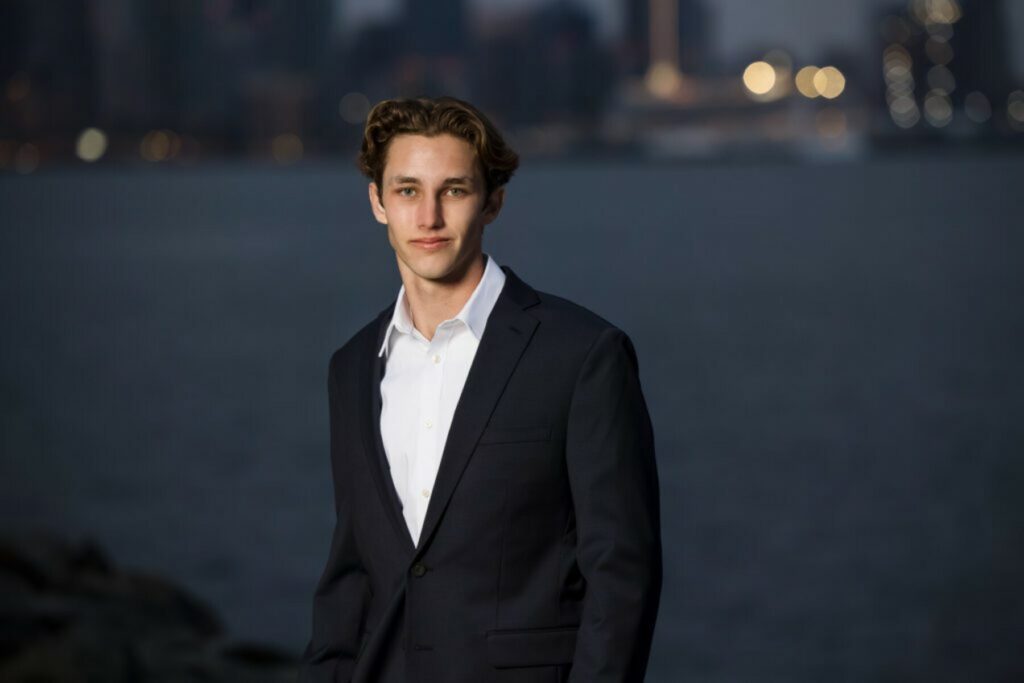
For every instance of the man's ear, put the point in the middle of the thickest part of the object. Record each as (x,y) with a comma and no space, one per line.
(376,205)
(494,204)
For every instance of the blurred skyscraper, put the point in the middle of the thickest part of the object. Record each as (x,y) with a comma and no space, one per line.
(545,67)
(944,67)
(981,50)
(435,27)
(673,31)
(47,63)
(235,73)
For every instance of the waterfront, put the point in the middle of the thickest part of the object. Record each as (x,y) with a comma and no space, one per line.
(831,356)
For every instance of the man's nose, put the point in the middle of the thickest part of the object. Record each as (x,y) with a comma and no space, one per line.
(430,212)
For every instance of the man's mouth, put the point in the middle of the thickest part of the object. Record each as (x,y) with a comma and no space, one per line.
(433,243)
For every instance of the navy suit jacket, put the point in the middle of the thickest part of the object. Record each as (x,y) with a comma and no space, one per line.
(540,554)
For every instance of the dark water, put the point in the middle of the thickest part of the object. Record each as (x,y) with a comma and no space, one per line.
(831,355)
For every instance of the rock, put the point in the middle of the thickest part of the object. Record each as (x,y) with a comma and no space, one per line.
(43,561)
(68,614)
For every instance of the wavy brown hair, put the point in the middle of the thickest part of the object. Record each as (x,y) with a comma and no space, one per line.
(430,117)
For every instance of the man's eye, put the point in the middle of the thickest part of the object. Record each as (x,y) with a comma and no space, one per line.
(406,191)
(457,191)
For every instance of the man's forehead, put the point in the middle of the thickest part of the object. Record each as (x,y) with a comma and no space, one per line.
(444,158)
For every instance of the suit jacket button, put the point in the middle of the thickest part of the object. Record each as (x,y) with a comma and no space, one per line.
(418,570)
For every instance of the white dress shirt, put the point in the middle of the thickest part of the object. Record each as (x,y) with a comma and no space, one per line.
(422,382)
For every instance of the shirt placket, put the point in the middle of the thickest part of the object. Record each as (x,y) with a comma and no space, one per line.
(429,410)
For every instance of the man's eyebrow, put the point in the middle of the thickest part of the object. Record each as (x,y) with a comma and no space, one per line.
(410,180)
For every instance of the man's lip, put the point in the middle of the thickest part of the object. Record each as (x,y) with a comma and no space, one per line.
(432,241)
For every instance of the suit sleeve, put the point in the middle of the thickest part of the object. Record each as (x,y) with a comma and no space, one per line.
(343,592)
(614,483)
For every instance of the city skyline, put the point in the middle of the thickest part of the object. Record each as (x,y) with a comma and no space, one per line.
(119,79)
(805,27)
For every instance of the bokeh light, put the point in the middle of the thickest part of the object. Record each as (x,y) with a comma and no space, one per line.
(977,107)
(91,144)
(936,12)
(941,78)
(286,149)
(829,82)
(896,67)
(663,79)
(354,107)
(938,110)
(26,159)
(897,71)
(904,111)
(938,50)
(759,78)
(805,81)
(160,145)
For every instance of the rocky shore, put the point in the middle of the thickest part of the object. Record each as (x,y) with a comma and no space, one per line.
(68,614)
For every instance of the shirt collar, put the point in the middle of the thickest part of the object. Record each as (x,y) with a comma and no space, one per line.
(474,313)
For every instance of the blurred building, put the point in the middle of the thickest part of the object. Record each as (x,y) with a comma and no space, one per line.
(168,80)
(435,27)
(943,70)
(674,31)
(47,67)
(545,71)
(422,49)
(980,51)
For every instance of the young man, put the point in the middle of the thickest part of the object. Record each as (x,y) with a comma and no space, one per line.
(492,454)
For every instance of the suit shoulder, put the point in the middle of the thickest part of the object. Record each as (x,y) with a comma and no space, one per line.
(581,333)
(584,334)
(571,317)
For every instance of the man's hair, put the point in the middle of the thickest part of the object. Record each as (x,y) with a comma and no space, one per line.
(430,117)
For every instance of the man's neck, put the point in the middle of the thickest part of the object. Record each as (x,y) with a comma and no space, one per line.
(431,303)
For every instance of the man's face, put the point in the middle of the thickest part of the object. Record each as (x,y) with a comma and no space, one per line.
(435,206)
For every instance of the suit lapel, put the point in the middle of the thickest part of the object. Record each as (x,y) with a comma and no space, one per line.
(508,332)
(371,373)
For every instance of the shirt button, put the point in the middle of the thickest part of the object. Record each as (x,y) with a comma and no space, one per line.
(429,423)
(437,359)
(426,493)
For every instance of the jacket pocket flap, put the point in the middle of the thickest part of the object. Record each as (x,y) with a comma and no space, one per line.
(531,647)
(507,435)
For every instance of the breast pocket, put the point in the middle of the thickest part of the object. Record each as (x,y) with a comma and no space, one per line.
(515,434)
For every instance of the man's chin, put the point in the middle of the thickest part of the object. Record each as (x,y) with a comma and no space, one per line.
(441,266)
(431,268)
